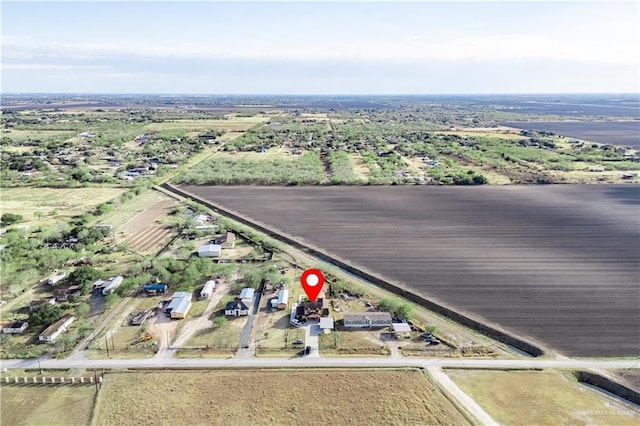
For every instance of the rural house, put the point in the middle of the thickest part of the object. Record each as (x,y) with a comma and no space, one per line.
(236,308)
(367,319)
(313,310)
(209,250)
(208,288)
(52,332)
(179,305)
(16,327)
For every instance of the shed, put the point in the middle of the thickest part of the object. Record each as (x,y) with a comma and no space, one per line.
(229,240)
(16,327)
(282,300)
(401,329)
(209,250)
(246,295)
(154,288)
(55,278)
(326,324)
(208,288)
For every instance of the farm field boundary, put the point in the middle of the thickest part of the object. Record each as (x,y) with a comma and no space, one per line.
(481,326)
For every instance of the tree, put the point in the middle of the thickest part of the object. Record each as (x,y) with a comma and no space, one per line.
(45,314)
(84,276)
(83,309)
(220,322)
(10,219)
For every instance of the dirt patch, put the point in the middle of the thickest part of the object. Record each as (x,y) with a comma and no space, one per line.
(269,397)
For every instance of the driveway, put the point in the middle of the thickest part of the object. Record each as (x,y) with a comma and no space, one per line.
(311,333)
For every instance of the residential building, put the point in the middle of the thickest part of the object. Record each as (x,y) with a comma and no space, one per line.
(179,305)
(367,319)
(313,310)
(236,308)
(56,277)
(401,329)
(52,332)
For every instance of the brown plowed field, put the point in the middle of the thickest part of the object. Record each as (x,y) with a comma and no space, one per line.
(559,264)
(144,235)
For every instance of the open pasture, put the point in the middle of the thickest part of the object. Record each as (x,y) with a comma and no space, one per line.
(46,404)
(558,264)
(541,397)
(273,397)
(233,124)
(610,132)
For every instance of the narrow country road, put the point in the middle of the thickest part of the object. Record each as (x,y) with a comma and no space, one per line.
(450,388)
(115,311)
(597,364)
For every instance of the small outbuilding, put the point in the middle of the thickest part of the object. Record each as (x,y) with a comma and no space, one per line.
(246,295)
(326,324)
(401,329)
(179,305)
(154,288)
(16,327)
(229,240)
(208,288)
(209,250)
(281,301)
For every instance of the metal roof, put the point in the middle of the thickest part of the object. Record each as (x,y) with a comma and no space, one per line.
(401,327)
(247,293)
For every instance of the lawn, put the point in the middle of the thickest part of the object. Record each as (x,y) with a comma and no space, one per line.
(52,202)
(46,405)
(542,398)
(273,397)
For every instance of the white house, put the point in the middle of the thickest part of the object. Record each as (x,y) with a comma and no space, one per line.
(209,250)
(208,288)
(236,308)
(52,332)
(246,295)
(367,319)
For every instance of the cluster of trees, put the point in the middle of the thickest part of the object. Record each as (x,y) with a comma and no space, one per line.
(10,218)
(306,169)
(342,171)
(396,307)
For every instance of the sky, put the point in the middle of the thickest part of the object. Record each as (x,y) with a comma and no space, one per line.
(321,47)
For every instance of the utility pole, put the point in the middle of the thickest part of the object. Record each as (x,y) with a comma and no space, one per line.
(106,343)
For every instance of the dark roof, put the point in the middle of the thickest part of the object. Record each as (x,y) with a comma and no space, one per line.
(236,304)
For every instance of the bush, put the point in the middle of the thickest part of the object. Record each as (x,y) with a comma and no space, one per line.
(10,218)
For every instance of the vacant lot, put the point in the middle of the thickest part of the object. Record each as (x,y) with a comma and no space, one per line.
(273,397)
(556,263)
(43,405)
(611,132)
(54,201)
(542,398)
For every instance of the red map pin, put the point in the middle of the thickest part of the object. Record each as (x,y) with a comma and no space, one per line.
(312,281)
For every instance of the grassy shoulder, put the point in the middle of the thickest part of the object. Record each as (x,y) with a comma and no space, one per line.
(541,397)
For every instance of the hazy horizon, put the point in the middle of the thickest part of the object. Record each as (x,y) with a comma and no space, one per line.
(320,48)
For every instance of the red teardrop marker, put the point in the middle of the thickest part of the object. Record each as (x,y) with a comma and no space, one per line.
(312,281)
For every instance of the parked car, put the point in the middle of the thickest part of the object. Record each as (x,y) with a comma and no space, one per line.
(298,342)
(307,350)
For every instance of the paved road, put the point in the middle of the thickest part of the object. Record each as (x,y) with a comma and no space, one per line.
(324,362)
